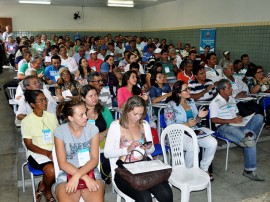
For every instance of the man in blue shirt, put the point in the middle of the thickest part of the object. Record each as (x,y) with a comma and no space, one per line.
(52,71)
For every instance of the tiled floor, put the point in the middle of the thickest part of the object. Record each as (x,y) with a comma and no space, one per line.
(228,185)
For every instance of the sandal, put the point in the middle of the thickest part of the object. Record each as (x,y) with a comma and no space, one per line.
(211,177)
(51,199)
(39,193)
(266,126)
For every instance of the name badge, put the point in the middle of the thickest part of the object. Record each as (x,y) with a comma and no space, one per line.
(47,136)
(83,156)
(57,76)
(167,69)
(94,68)
(234,86)
(93,122)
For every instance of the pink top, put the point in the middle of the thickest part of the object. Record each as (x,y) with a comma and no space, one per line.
(122,95)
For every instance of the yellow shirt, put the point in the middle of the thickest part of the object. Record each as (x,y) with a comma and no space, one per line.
(33,125)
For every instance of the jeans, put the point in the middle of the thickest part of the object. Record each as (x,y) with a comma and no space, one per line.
(237,133)
(208,143)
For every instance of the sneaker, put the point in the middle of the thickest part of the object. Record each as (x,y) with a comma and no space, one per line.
(247,142)
(253,175)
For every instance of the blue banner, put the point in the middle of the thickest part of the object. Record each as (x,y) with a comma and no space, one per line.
(208,37)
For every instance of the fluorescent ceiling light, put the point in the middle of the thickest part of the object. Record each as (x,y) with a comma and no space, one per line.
(35,2)
(118,3)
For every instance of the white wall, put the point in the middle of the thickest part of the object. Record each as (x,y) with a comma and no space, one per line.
(36,18)
(183,13)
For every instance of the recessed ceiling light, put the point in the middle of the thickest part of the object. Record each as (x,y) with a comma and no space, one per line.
(119,3)
(35,2)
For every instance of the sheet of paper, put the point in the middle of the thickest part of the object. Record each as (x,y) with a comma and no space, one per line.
(146,166)
(205,132)
(66,93)
(245,99)
(246,119)
(40,158)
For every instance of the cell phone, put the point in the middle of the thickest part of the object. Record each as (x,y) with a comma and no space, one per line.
(198,132)
(147,143)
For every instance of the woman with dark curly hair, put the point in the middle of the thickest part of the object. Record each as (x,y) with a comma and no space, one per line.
(67,87)
(83,71)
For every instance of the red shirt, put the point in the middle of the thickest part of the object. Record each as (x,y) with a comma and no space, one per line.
(182,76)
(95,65)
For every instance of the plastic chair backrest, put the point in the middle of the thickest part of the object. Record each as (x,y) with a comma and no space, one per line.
(266,102)
(12,92)
(175,134)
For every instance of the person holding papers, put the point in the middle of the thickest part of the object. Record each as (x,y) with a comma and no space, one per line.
(131,132)
(182,110)
(37,131)
(77,152)
(223,113)
(67,88)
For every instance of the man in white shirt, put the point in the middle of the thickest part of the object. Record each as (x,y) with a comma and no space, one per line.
(7,33)
(213,71)
(224,113)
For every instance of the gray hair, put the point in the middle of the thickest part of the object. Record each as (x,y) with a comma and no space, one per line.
(222,84)
(227,64)
(35,59)
(27,79)
(29,71)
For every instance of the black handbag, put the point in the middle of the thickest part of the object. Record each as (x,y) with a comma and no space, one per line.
(142,181)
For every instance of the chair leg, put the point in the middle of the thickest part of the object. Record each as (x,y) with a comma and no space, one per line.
(227,156)
(118,198)
(22,170)
(33,187)
(209,194)
(185,195)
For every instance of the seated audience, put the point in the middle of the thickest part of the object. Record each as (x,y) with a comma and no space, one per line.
(37,132)
(101,117)
(52,71)
(80,54)
(240,90)
(169,68)
(132,57)
(83,71)
(66,86)
(66,61)
(32,83)
(104,95)
(36,63)
(159,90)
(77,151)
(48,58)
(126,134)
(27,56)
(226,59)
(128,89)
(182,110)
(201,88)
(223,112)
(205,53)
(94,62)
(186,75)
(213,71)
(259,82)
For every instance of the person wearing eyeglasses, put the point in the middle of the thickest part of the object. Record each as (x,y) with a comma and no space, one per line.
(259,83)
(37,132)
(104,95)
(67,88)
(182,110)
(213,71)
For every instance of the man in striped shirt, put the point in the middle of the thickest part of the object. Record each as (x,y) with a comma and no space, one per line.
(201,88)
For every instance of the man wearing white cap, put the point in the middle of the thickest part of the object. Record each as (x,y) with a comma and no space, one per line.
(94,62)
(227,59)
(155,57)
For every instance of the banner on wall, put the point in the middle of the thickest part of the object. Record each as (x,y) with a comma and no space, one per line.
(208,37)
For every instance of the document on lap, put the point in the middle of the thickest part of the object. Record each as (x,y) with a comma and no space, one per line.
(40,159)
(246,119)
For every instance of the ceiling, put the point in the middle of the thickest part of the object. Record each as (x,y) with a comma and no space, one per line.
(91,3)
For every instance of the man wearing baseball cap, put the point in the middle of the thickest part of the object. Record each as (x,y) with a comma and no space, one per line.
(94,62)
(227,58)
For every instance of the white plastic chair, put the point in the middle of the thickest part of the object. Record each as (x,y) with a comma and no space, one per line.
(120,194)
(186,179)
(12,101)
(33,173)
